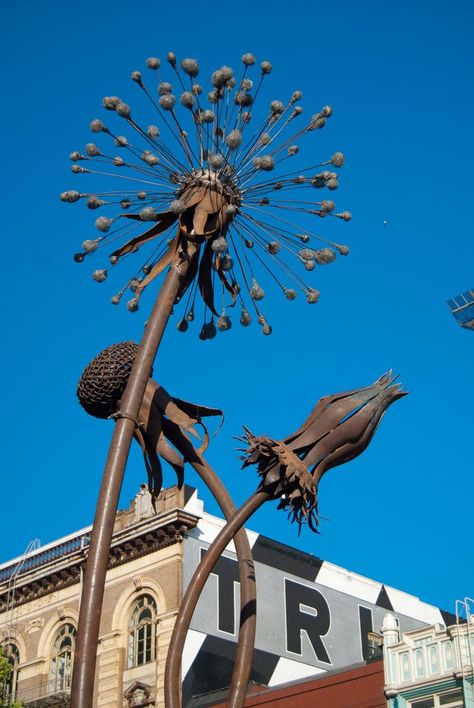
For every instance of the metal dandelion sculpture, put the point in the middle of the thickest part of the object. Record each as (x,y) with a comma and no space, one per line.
(200,182)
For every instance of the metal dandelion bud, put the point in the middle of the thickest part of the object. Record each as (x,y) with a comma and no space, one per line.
(90,245)
(103,223)
(70,196)
(324,256)
(277,107)
(339,428)
(202,187)
(132,304)
(167,102)
(267,163)
(99,275)
(147,214)
(164,87)
(190,67)
(219,245)
(124,110)
(110,102)
(223,323)
(248,59)
(312,296)
(245,318)
(234,139)
(274,247)
(153,63)
(97,126)
(345,215)
(256,292)
(187,99)
(95,203)
(153,132)
(216,161)
(92,150)
(337,159)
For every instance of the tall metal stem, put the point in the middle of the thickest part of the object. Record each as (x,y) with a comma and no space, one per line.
(82,688)
(248,600)
(193,592)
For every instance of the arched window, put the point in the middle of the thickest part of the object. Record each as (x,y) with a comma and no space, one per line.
(142,632)
(60,672)
(12,653)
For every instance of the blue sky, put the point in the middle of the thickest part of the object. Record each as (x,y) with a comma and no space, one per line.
(398,76)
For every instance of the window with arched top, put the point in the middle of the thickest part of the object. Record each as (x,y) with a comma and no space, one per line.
(12,653)
(142,632)
(60,672)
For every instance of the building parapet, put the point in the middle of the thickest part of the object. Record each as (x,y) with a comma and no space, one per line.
(57,566)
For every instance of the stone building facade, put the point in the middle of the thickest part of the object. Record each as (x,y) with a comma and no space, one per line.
(40,606)
(314,618)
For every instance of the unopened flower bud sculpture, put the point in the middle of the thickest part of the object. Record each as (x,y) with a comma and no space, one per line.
(338,429)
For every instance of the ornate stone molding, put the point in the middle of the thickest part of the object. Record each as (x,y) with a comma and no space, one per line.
(132,542)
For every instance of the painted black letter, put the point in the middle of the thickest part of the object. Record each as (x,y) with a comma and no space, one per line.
(297,620)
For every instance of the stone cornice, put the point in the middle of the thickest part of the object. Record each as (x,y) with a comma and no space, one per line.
(134,541)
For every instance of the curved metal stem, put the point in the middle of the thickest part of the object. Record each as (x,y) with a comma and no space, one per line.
(248,601)
(193,592)
(82,689)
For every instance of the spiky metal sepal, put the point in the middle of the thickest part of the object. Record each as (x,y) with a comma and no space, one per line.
(283,475)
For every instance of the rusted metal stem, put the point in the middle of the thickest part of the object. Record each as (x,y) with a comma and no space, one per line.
(82,688)
(193,592)
(248,600)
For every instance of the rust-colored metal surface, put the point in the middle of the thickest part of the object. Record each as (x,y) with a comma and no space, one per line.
(162,417)
(248,599)
(338,429)
(191,597)
(82,688)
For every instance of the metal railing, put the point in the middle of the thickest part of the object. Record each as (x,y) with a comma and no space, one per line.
(43,557)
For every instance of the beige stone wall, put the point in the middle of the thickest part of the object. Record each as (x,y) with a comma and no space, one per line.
(36,623)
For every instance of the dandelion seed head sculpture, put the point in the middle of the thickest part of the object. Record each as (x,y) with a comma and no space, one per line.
(199,184)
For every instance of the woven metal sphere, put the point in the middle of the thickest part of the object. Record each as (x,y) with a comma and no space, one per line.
(103,381)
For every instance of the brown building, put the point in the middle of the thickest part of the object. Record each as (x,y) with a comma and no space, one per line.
(356,687)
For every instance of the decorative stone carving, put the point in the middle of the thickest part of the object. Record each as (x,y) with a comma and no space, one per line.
(34,625)
(138,582)
(138,695)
